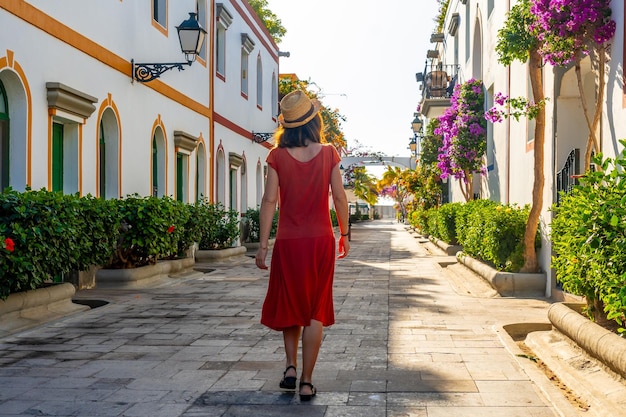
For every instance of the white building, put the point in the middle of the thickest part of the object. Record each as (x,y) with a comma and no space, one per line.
(72,117)
(465,49)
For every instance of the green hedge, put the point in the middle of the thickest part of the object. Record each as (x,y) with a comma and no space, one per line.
(46,234)
(488,231)
(589,237)
(52,234)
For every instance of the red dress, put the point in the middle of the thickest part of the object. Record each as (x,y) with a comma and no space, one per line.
(303,258)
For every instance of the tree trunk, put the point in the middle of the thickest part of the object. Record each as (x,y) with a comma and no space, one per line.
(592,139)
(530,233)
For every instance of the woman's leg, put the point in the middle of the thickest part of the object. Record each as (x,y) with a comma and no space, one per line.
(291,338)
(311,342)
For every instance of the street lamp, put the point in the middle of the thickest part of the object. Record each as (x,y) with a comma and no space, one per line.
(191,36)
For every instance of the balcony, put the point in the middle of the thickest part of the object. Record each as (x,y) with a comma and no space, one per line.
(437,85)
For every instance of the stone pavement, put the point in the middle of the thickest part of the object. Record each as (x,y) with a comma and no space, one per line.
(412,338)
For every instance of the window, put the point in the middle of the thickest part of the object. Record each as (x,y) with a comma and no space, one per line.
(4,139)
(159,169)
(57,157)
(220,180)
(201,11)
(259,183)
(489,7)
(244,189)
(224,19)
(247,45)
(159,12)
(181,178)
(259,82)
(108,155)
(220,50)
(201,172)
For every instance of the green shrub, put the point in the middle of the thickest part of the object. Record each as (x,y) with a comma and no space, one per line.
(51,234)
(494,233)
(589,237)
(442,222)
(150,228)
(220,227)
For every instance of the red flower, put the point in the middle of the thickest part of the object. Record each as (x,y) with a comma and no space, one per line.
(9,244)
(170,229)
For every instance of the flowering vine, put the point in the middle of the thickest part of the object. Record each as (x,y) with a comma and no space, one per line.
(514,107)
(567,30)
(463,128)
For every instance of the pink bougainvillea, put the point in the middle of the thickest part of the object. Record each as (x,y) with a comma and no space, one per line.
(463,128)
(567,29)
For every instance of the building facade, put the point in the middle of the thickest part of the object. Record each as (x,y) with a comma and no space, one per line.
(464,49)
(73,118)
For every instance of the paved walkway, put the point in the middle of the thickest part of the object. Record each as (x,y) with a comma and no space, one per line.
(412,339)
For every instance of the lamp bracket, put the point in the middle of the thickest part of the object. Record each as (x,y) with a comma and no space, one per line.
(151,71)
(261,137)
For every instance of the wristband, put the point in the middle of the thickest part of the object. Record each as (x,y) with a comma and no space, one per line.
(345,234)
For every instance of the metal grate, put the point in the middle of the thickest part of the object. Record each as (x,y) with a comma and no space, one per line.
(565,178)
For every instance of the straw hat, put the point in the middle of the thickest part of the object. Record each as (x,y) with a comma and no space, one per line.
(297,109)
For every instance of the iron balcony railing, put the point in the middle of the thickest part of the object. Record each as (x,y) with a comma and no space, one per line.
(438,80)
(566,177)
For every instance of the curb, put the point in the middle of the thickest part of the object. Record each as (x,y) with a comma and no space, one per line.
(508,284)
(138,277)
(209,255)
(599,342)
(29,308)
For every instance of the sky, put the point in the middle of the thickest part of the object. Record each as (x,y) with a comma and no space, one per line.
(363,54)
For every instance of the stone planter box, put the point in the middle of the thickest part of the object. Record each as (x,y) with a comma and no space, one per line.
(508,284)
(30,308)
(602,344)
(211,255)
(142,276)
(255,245)
(450,250)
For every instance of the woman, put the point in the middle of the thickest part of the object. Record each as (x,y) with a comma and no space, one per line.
(301,170)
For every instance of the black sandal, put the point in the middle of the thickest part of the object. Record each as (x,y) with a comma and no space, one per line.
(288,382)
(307,397)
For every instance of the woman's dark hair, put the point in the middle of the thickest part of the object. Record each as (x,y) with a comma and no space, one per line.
(297,136)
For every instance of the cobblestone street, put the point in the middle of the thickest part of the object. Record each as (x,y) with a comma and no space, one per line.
(411,339)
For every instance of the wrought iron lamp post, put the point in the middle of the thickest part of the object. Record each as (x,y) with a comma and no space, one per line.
(191,36)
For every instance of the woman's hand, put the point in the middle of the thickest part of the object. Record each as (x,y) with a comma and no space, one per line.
(344,247)
(261,254)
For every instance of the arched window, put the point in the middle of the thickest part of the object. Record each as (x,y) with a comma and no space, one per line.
(4,139)
(108,155)
(244,188)
(259,184)
(159,168)
(259,83)
(220,177)
(200,172)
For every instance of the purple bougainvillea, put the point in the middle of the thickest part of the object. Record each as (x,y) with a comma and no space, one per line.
(463,128)
(567,29)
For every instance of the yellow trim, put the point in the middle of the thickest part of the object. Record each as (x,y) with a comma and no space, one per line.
(9,62)
(53,27)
